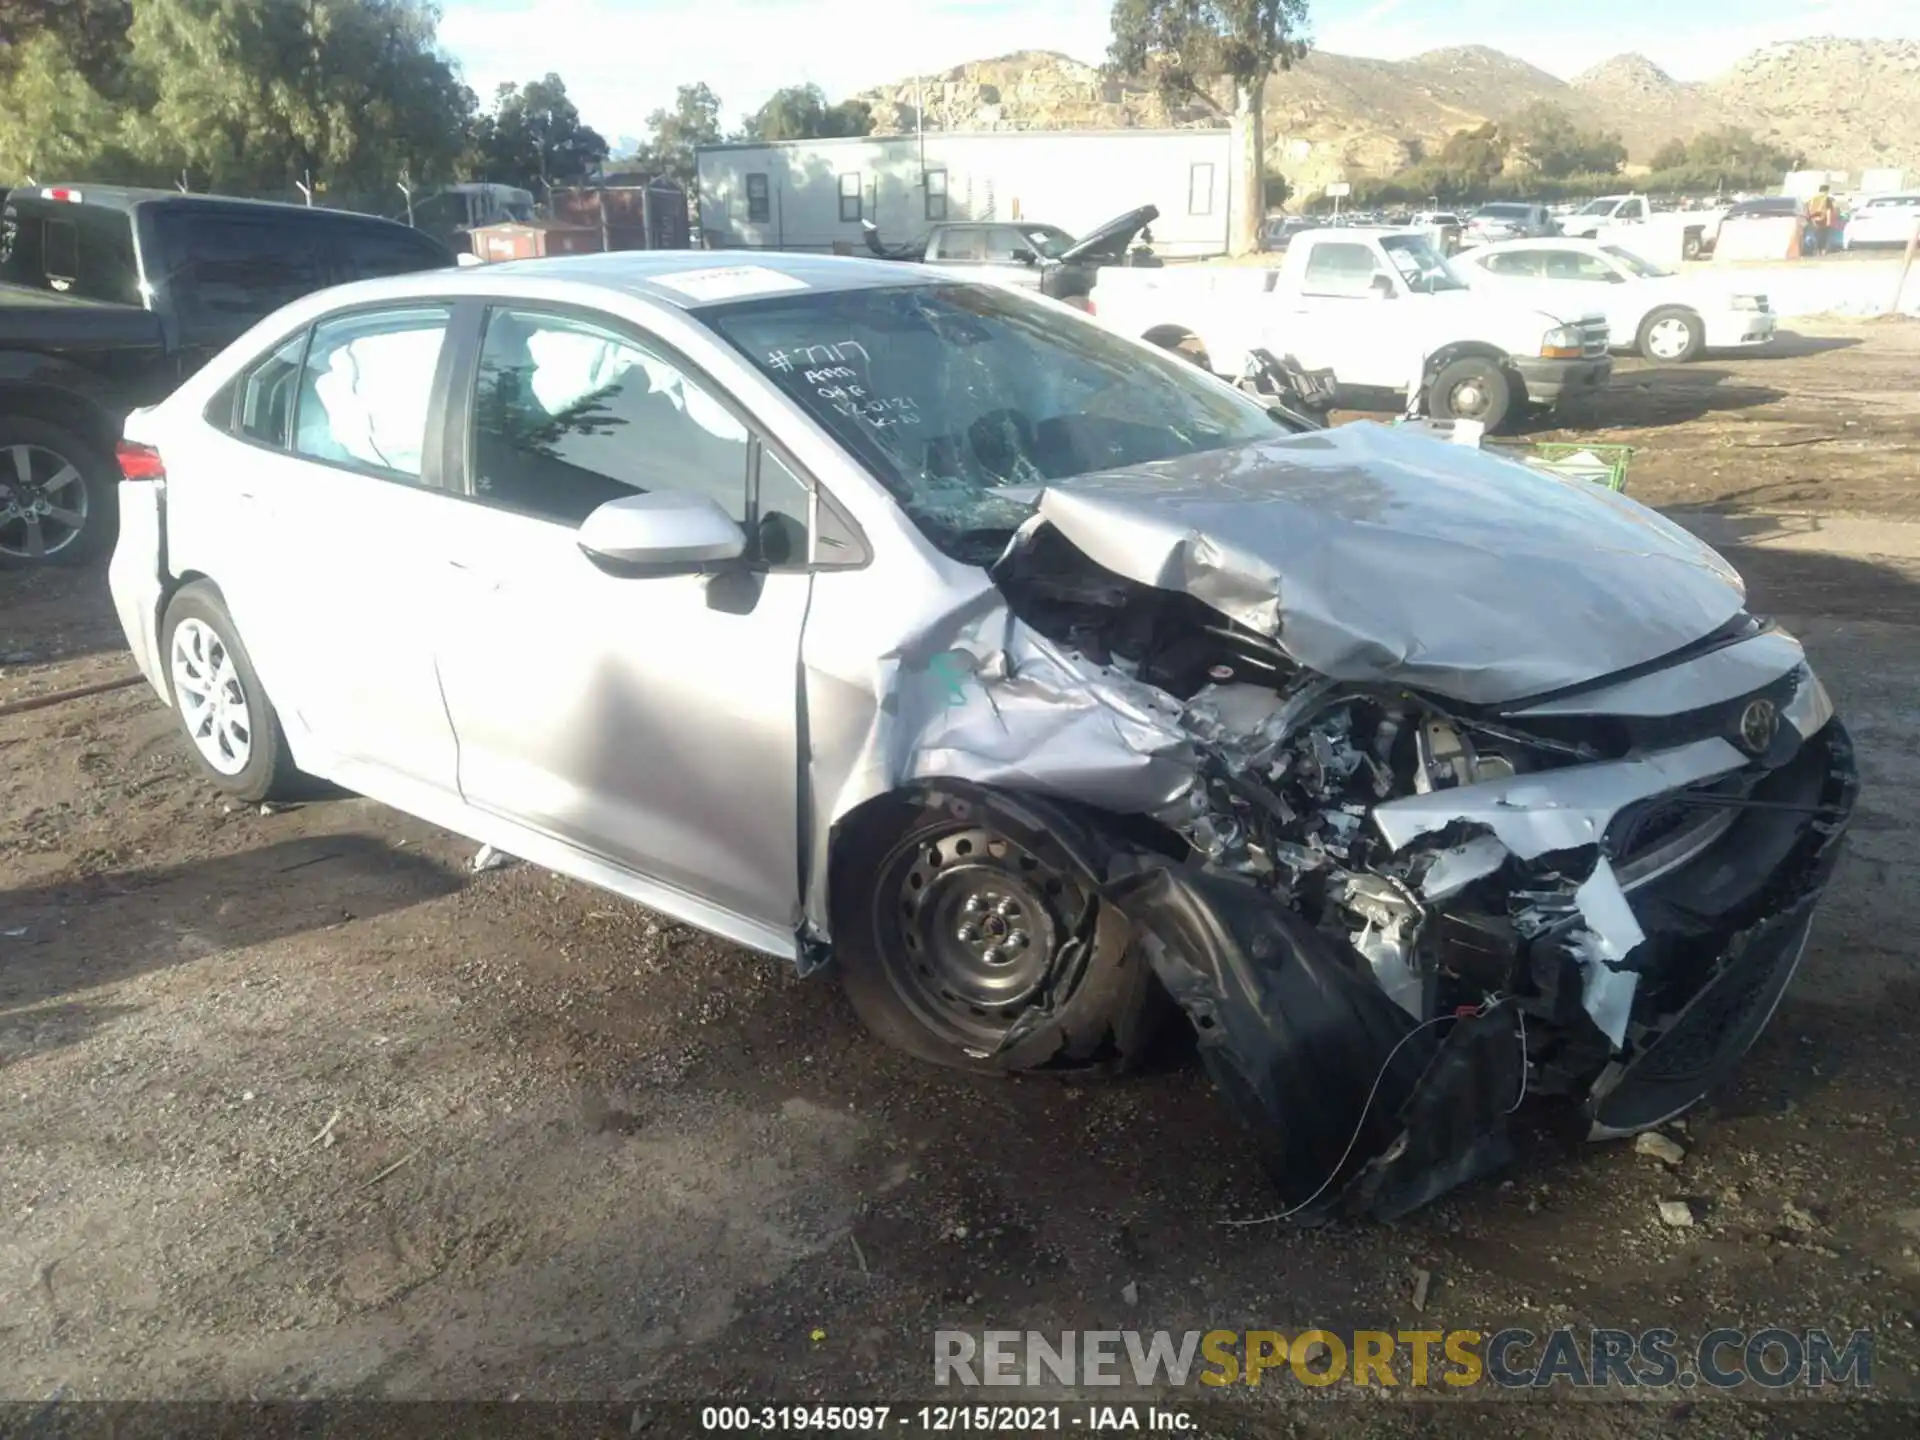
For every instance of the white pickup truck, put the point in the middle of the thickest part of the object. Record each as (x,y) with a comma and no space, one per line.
(1696,229)
(1381,310)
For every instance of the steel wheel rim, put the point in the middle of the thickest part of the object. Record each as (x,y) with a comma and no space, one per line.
(43,502)
(1468,399)
(1668,339)
(212,701)
(969,922)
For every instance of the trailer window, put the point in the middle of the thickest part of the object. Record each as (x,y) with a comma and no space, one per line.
(1200,189)
(759,208)
(850,199)
(936,194)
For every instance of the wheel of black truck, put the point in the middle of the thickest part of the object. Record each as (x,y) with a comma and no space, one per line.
(58,495)
(951,920)
(1471,389)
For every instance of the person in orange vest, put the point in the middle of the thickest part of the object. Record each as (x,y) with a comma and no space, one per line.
(1821,215)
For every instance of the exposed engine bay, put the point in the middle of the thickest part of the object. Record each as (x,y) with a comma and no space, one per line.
(1437,907)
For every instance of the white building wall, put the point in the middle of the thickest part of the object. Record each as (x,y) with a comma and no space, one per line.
(1073,179)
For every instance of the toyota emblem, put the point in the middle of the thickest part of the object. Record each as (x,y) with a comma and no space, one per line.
(1757,725)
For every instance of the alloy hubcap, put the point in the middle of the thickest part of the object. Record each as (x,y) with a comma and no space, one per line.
(1668,338)
(978,926)
(43,502)
(212,701)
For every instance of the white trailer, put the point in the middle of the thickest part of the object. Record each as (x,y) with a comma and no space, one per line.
(812,194)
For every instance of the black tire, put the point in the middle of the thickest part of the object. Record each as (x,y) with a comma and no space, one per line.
(1671,319)
(1471,389)
(1187,347)
(1096,1018)
(92,493)
(1693,246)
(268,772)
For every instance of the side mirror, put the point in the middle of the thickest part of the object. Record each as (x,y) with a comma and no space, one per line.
(1025,257)
(667,532)
(1381,288)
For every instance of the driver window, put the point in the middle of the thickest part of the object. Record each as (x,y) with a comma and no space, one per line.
(1633,210)
(1515,262)
(568,416)
(1337,268)
(963,245)
(1577,265)
(1005,243)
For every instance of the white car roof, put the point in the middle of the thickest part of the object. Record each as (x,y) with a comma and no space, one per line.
(1552,242)
(709,277)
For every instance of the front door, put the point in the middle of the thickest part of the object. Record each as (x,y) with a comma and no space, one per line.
(650,723)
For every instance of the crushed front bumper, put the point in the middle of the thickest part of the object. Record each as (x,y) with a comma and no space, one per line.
(1354,1106)
(1554,382)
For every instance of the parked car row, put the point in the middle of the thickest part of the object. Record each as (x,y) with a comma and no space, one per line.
(1509,326)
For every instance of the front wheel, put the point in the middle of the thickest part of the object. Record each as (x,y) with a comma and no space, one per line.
(1471,389)
(57,495)
(222,707)
(1672,336)
(969,933)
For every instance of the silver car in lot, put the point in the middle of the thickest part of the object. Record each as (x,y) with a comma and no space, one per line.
(1025,673)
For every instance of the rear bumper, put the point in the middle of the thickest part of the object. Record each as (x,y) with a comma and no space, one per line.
(136,576)
(1551,382)
(1730,329)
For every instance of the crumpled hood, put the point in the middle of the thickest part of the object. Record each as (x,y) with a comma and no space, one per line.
(1381,554)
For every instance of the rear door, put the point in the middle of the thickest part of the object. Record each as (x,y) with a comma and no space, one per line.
(317,512)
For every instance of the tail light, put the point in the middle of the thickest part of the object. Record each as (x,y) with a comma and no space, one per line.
(139,462)
(1082,302)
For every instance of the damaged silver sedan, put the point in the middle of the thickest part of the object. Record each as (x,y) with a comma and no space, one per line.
(1027,674)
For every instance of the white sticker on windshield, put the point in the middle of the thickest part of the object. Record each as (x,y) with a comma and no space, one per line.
(735,282)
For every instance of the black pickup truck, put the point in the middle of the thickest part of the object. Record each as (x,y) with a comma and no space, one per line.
(109,297)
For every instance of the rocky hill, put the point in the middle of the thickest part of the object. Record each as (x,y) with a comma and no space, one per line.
(1842,103)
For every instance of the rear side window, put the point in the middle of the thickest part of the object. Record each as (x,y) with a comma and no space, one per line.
(1337,268)
(225,272)
(365,388)
(375,251)
(267,395)
(81,250)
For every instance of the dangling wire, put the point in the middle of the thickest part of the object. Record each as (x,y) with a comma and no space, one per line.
(1486,1007)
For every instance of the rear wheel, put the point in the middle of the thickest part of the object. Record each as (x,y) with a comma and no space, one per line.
(222,708)
(57,495)
(972,922)
(1471,389)
(1673,336)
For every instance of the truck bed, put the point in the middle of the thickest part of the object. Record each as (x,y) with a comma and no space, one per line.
(43,320)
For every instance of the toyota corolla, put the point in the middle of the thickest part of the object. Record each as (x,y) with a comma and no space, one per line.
(1023,674)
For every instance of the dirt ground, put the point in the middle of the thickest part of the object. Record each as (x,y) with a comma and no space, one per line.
(294,1105)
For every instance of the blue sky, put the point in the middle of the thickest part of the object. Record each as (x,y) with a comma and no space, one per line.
(622,58)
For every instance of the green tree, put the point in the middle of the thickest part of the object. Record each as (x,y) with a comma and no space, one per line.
(53,124)
(534,137)
(1188,46)
(92,33)
(801,112)
(256,95)
(1670,156)
(677,133)
(1555,146)
(1474,156)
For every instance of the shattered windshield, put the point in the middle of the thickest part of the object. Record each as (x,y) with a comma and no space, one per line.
(963,399)
(1420,264)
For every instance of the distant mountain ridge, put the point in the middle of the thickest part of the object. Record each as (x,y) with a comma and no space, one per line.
(1843,104)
